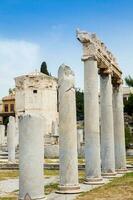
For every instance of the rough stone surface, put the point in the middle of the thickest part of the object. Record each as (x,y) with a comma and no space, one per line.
(67,131)
(107,128)
(92,137)
(11,130)
(31,157)
(37,94)
(119,133)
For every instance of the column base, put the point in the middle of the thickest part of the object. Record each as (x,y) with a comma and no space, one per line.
(109,174)
(121,171)
(29,198)
(94,181)
(69,190)
(12,162)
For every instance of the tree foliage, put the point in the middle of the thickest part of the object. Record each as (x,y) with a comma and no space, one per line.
(129,81)
(128,137)
(128,105)
(44,69)
(80,104)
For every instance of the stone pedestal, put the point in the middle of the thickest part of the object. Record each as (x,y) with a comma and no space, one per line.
(31,157)
(2,135)
(119,132)
(92,137)
(107,128)
(67,132)
(11,130)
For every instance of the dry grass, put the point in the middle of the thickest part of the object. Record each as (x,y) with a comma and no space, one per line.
(51,188)
(7,174)
(130,160)
(119,189)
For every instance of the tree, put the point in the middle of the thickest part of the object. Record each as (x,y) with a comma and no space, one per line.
(44,69)
(128,104)
(128,137)
(80,104)
(129,81)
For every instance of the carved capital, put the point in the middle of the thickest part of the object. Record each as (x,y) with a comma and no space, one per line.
(89,47)
(89,51)
(119,81)
(106,71)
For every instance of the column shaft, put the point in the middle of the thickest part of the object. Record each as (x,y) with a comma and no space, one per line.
(2,134)
(119,132)
(31,157)
(11,130)
(67,132)
(92,138)
(107,128)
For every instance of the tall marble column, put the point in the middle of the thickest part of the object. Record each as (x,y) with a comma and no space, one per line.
(119,132)
(92,136)
(67,132)
(107,127)
(11,130)
(91,110)
(79,138)
(2,134)
(31,157)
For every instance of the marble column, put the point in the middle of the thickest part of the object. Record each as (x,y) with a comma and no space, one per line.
(11,130)
(79,138)
(92,135)
(119,132)
(2,134)
(54,128)
(31,157)
(107,128)
(67,132)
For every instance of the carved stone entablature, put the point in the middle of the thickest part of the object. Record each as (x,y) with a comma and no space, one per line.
(94,48)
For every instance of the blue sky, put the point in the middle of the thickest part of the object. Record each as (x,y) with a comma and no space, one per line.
(35,30)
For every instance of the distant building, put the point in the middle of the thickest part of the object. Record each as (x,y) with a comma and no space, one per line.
(7,108)
(126,92)
(36,93)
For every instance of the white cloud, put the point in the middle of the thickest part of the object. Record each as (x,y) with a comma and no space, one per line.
(16,57)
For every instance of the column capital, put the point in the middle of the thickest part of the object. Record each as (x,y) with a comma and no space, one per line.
(89,47)
(106,71)
(117,82)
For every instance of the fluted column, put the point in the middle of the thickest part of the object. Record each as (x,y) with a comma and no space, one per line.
(107,128)
(119,132)
(67,132)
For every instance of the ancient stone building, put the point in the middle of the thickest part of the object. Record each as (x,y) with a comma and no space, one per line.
(37,94)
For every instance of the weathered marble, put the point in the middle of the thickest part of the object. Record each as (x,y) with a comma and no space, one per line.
(107,128)
(36,93)
(2,134)
(31,157)
(92,136)
(79,138)
(67,132)
(11,130)
(119,132)
(55,128)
